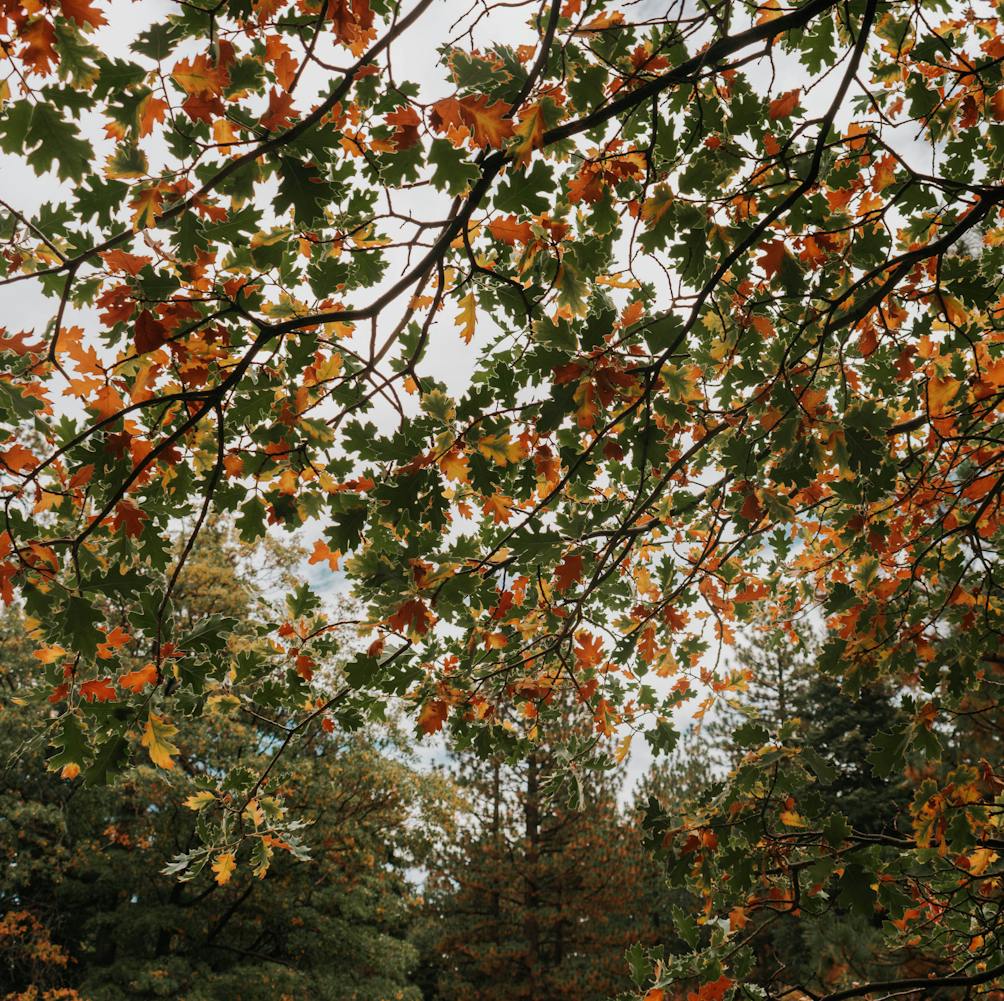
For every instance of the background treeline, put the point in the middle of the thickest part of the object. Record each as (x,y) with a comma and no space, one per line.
(470,879)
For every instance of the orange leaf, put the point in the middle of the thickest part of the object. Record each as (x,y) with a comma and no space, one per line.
(487,122)
(647,648)
(83,12)
(413,618)
(589,651)
(146,207)
(17,458)
(280,110)
(98,690)
(773,255)
(39,52)
(715,991)
(223,867)
(507,230)
(136,681)
(785,105)
(49,654)
(433,716)
(499,507)
(118,637)
(455,466)
(199,76)
(119,260)
(151,110)
(322,551)
(278,53)
(940,392)
(530,132)
(568,572)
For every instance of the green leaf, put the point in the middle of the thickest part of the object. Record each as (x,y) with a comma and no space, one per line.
(527,190)
(302,188)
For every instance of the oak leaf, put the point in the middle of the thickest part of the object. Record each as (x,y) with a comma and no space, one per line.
(413,618)
(569,570)
(98,690)
(507,230)
(223,867)
(83,12)
(499,506)
(157,734)
(117,638)
(467,317)
(500,449)
(136,681)
(784,106)
(432,716)
(324,553)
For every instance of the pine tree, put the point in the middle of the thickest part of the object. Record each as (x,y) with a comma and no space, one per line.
(80,893)
(536,897)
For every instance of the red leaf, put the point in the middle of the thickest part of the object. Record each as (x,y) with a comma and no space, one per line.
(405,121)
(568,572)
(128,518)
(773,255)
(150,333)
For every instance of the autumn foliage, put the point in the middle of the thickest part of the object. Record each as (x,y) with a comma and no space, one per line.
(580,350)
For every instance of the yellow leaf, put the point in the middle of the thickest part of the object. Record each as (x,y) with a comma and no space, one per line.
(146,207)
(980,859)
(254,813)
(454,466)
(790,818)
(156,739)
(530,131)
(224,867)
(264,858)
(199,800)
(466,317)
(329,369)
(623,746)
(657,205)
(224,134)
(49,654)
(940,392)
(499,506)
(500,448)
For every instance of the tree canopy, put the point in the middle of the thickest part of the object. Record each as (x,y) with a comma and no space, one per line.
(584,336)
